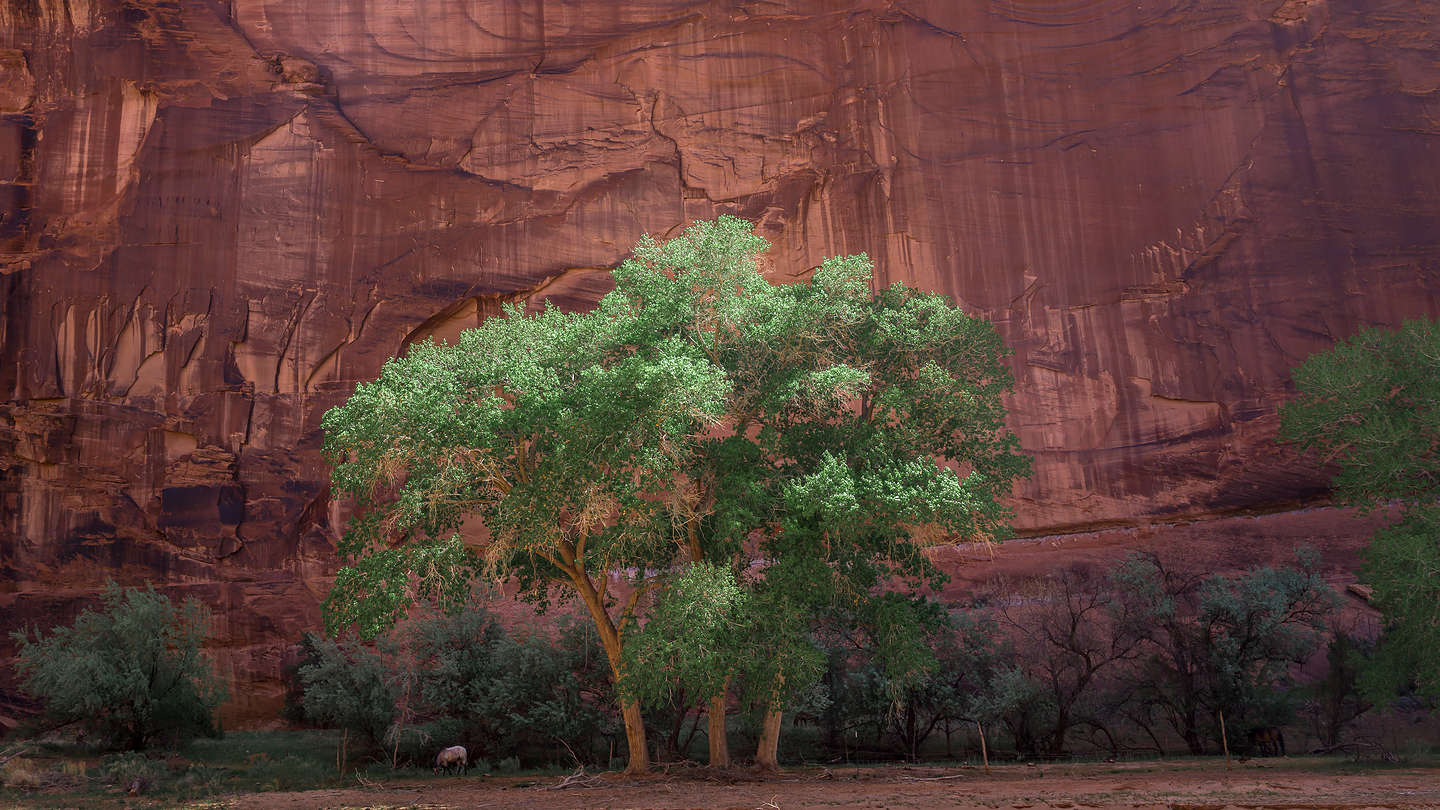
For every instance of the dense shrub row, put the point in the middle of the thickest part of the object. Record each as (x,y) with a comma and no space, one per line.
(1143,657)
(1140,658)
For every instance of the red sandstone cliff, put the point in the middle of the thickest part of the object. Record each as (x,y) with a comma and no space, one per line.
(217,215)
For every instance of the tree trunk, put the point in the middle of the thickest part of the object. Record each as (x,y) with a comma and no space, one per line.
(639,755)
(634,736)
(1057,739)
(1224,743)
(672,744)
(719,745)
(767,752)
(984,751)
(911,731)
(1190,731)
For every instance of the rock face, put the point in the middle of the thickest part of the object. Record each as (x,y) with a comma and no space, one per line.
(218,215)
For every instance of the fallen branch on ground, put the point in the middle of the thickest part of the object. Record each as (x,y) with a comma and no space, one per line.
(577,779)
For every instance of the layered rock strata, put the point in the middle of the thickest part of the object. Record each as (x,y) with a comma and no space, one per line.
(218,215)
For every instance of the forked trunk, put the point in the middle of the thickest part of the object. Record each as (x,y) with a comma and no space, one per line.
(638,754)
(719,745)
(767,752)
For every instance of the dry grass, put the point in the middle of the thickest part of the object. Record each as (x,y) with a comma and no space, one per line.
(34,774)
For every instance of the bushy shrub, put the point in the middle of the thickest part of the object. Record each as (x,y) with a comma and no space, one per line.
(347,686)
(506,695)
(464,680)
(132,673)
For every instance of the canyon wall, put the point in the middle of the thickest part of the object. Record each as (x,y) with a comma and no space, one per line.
(218,215)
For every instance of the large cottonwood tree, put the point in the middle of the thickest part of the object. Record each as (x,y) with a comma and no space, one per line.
(811,437)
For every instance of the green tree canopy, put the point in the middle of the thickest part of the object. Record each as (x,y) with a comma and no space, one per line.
(697,414)
(132,672)
(861,427)
(1371,406)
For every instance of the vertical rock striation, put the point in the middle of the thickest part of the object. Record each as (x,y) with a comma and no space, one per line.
(219,215)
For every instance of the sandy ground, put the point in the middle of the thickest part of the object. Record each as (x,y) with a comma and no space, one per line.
(1294,784)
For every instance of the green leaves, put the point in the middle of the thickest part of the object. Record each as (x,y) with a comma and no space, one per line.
(132,671)
(346,685)
(1403,563)
(694,639)
(749,453)
(548,429)
(1371,405)
(380,588)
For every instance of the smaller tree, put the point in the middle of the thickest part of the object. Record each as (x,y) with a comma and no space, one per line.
(1334,701)
(462,679)
(347,686)
(509,694)
(925,670)
(970,682)
(882,673)
(1069,643)
(132,672)
(711,630)
(1256,628)
(1022,705)
(1213,645)
(901,670)
(690,649)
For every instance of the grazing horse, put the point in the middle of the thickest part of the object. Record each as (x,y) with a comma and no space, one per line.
(454,755)
(1268,741)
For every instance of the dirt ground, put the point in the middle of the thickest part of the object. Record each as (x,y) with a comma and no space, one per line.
(1289,784)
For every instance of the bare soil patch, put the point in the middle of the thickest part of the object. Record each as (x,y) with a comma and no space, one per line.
(1289,784)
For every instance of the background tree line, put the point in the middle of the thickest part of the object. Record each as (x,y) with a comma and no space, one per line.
(1138,660)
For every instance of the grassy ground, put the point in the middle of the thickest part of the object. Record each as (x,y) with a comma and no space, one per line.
(240,762)
(213,772)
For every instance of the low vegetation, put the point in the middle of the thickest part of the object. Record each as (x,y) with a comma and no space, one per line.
(130,675)
(245,761)
(1136,661)
(463,679)
(1086,664)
